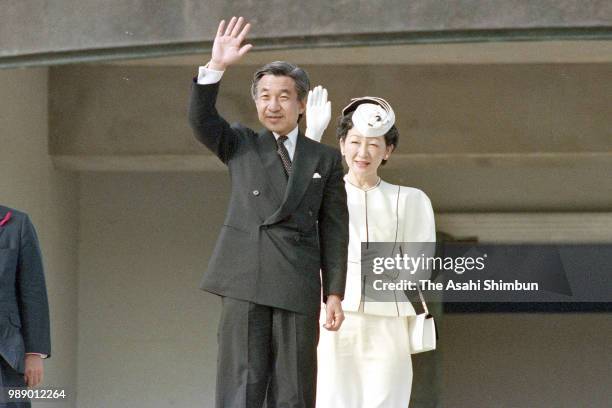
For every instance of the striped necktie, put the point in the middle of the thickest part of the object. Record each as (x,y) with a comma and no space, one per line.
(284,154)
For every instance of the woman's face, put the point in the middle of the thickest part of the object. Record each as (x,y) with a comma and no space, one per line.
(363,155)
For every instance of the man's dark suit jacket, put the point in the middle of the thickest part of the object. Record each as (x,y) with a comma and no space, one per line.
(24,311)
(277,234)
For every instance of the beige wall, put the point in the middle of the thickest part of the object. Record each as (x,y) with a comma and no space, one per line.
(29,182)
(526,360)
(497,137)
(440,108)
(147,333)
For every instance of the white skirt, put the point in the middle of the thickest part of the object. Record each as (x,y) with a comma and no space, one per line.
(366,364)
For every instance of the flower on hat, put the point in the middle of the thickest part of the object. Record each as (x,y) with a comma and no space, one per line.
(372,120)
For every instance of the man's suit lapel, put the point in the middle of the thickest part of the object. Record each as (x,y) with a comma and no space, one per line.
(266,148)
(303,166)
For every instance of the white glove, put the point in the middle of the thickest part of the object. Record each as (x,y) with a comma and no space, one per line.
(318,113)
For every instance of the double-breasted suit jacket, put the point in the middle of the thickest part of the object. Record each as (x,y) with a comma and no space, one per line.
(24,311)
(281,238)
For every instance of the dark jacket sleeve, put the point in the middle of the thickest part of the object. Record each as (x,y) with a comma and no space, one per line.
(334,231)
(208,126)
(32,293)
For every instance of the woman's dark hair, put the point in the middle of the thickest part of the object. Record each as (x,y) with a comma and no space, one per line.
(345,123)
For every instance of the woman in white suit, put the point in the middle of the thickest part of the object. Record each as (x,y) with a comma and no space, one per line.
(367,363)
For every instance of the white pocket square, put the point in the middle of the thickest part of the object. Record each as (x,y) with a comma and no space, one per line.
(316,175)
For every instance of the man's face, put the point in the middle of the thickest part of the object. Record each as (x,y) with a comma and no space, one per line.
(278,106)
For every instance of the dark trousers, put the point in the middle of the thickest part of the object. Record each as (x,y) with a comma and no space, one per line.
(266,355)
(9,378)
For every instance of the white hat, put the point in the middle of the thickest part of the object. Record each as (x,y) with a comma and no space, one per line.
(372,116)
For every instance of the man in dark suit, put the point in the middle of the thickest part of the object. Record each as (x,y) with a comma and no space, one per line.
(24,311)
(285,233)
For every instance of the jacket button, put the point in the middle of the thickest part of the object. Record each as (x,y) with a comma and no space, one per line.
(255,193)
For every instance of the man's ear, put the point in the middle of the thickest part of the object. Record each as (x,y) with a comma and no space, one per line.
(302,106)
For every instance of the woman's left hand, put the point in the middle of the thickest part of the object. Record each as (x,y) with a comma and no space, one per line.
(318,113)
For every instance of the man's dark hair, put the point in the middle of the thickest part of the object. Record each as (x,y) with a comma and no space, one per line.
(345,123)
(282,68)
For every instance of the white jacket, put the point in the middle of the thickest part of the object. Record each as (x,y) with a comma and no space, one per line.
(384,213)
